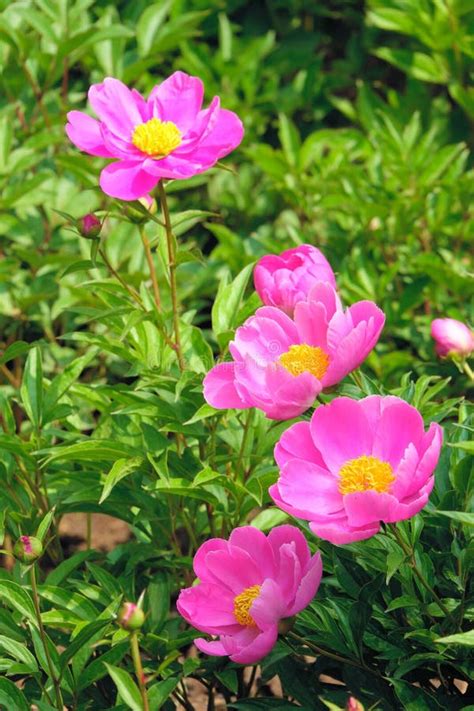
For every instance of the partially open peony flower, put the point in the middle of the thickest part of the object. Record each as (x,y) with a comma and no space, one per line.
(166,136)
(357,463)
(452,337)
(246,585)
(281,364)
(284,279)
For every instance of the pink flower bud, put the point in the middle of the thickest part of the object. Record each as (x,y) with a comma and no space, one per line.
(131,617)
(283,280)
(452,338)
(353,705)
(27,549)
(89,226)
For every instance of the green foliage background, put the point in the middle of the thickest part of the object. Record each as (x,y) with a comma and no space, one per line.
(358,128)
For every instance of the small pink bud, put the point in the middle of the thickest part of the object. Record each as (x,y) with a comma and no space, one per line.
(353,704)
(130,617)
(27,549)
(89,226)
(452,338)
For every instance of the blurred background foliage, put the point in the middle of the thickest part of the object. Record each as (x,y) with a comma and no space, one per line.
(358,122)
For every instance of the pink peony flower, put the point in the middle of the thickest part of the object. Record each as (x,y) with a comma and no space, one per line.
(248,584)
(452,337)
(167,136)
(280,364)
(283,280)
(356,463)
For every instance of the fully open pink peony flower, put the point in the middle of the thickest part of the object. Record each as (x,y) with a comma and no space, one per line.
(452,337)
(166,136)
(283,280)
(248,584)
(356,463)
(280,364)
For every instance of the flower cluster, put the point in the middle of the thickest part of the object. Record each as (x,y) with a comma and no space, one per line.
(280,364)
(355,464)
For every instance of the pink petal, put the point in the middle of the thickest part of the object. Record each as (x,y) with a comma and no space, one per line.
(199,563)
(219,388)
(214,649)
(399,425)
(118,107)
(282,535)
(177,99)
(340,432)
(339,532)
(224,137)
(234,569)
(305,486)
(296,443)
(256,544)
(85,133)
(410,507)
(269,607)
(209,608)
(258,648)
(308,586)
(364,508)
(126,180)
(311,322)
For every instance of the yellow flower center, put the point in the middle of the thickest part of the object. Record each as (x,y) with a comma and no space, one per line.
(242,605)
(303,358)
(156,138)
(365,474)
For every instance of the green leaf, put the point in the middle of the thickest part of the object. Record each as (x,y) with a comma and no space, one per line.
(158,693)
(81,640)
(126,687)
(149,24)
(64,380)
(268,518)
(228,300)
(19,651)
(19,599)
(11,697)
(464,638)
(45,525)
(31,390)
(16,349)
(64,569)
(466,446)
(93,450)
(120,469)
(461,516)
(289,138)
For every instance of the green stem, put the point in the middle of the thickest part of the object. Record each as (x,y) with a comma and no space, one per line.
(89,531)
(137,663)
(151,266)
(245,436)
(55,680)
(172,270)
(331,655)
(468,370)
(136,297)
(410,553)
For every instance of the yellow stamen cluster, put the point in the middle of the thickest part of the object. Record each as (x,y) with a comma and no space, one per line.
(156,138)
(305,359)
(242,605)
(365,474)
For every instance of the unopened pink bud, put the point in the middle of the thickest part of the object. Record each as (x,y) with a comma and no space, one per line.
(27,549)
(452,338)
(353,704)
(89,226)
(131,617)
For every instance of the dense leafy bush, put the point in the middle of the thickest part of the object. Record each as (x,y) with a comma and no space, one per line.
(357,128)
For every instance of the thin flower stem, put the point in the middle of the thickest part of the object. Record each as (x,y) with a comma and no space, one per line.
(55,680)
(136,297)
(172,269)
(331,655)
(89,531)
(468,370)
(151,266)
(410,553)
(137,663)
(245,435)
